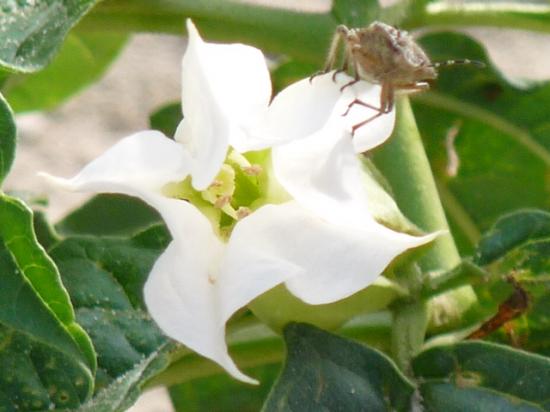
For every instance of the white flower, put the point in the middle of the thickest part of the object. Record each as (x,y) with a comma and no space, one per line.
(323,244)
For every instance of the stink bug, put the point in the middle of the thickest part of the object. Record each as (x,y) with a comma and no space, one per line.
(387,56)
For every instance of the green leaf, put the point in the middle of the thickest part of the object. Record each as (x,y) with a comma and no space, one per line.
(83,58)
(105,278)
(37,267)
(33,31)
(166,119)
(37,372)
(512,231)
(514,246)
(530,264)
(222,393)
(47,359)
(326,372)
(109,214)
(502,139)
(45,233)
(3,77)
(120,395)
(481,376)
(442,396)
(7,138)
(518,245)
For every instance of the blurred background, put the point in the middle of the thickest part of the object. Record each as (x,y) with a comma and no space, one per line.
(121,102)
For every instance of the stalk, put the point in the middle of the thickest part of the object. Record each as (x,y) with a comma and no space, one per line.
(510,14)
(404,163)
(296,34)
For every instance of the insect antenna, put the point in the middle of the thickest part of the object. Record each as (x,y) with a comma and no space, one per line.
(445,63)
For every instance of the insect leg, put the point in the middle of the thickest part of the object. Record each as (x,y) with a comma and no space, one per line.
(386,105)
(350,51)
(386,101)
(362,103)
(352,82)
(364,122)
(344,67)
(387,96)
(340,34)
(348,58)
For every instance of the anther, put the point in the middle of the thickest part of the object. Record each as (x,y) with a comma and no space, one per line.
(222,201)
(253,170)
(243,212)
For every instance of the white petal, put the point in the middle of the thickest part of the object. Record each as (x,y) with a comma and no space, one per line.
(307,106)
(376,131)
(323,173)
(250,267)
(322,262)
(302,108)
(146,160)
(225,91)
(183,302)
(182,292)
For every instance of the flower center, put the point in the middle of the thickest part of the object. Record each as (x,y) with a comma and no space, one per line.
(240,187)
(221,190)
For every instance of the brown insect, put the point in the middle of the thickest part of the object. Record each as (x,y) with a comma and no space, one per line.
(384,55)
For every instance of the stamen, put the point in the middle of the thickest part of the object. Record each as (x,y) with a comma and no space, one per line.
(222,201)
(216,183)
(253,170)
(243,212)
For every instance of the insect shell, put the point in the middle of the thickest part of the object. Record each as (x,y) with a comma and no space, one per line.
(387,56)
(382,53)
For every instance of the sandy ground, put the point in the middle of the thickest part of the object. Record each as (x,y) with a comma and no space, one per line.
(120,103)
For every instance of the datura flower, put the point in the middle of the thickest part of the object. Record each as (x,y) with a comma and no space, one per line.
(314,234)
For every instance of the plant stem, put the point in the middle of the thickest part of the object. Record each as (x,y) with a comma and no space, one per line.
(410,319)
(405,165)
(408,332)
(296,34)
(513,15)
